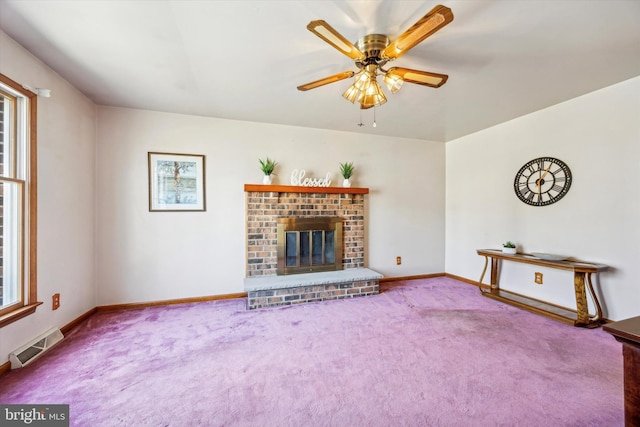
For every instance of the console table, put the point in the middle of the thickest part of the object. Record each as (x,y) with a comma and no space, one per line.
(628,333)
(582,272)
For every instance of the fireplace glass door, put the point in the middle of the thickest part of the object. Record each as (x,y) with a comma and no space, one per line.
(309,244)
(306,248)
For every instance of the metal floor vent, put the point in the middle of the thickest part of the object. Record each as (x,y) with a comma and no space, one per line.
(29,352)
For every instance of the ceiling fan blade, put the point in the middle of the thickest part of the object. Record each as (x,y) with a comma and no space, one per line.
(437,18)
(326,80)
(326,32)
(424,78)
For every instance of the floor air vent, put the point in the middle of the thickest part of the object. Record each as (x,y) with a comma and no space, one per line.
(35,348)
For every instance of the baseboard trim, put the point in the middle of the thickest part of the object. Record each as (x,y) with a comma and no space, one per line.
(5,367)
(469,281)
(417,277)
(133,306)
(77,321)
(136,305)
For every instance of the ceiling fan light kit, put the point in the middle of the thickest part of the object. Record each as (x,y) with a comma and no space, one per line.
(393,81)
(373,51)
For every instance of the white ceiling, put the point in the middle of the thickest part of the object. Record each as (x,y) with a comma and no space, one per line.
(243,59)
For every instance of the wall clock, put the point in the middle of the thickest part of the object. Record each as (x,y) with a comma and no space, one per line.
(542,181)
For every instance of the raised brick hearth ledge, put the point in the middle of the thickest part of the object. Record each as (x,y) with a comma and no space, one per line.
(272,291)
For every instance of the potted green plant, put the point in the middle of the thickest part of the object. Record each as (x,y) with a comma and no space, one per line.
(267,167)
(346,169)
(509,248)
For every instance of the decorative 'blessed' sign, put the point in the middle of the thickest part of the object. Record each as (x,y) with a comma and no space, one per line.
(297,178)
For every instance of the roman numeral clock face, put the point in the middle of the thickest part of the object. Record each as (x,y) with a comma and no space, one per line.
(542,181)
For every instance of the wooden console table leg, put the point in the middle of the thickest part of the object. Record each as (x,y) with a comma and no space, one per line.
(495,262)
(598,317)
(484,270)
(581,300)
(494,275)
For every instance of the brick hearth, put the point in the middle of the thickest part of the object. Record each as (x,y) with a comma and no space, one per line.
(271,291)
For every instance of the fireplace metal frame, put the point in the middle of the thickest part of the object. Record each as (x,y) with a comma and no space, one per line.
(324,223)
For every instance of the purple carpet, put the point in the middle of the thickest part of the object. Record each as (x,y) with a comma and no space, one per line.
(422,353)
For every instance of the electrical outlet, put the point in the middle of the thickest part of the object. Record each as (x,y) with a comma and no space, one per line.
(398,260)
(55,302)
(538,278)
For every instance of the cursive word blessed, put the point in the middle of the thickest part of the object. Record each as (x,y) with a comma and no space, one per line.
(297,178)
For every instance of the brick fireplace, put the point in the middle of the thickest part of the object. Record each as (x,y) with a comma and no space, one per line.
(264,205)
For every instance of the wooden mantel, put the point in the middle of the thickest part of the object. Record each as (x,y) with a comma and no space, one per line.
(299,189)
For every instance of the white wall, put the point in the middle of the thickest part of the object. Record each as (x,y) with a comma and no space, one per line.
(598,136)
(66,197)
(149,256)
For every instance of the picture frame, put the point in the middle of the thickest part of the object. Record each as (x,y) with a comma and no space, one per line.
(176,182)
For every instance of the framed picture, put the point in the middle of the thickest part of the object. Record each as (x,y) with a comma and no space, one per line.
(176,182)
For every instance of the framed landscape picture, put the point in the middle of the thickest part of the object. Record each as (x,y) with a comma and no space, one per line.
(176,182)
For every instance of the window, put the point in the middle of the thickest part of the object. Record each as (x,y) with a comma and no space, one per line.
(17,201)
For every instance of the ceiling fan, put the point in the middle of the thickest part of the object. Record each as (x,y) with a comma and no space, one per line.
(371,52)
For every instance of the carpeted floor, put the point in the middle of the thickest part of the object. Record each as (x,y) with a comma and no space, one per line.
(422,353)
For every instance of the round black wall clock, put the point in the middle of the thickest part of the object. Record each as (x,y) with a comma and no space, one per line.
(542,181)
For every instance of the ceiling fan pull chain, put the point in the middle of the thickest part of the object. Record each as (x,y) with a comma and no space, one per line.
(360,124)
(374,117)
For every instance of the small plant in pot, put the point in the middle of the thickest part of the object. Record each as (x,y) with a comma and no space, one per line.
(509,247)
(346,169)
(267,167)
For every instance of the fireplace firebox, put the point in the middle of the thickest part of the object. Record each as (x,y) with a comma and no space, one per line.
(306,245)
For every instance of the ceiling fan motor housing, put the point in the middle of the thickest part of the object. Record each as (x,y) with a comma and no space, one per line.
(372,45)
